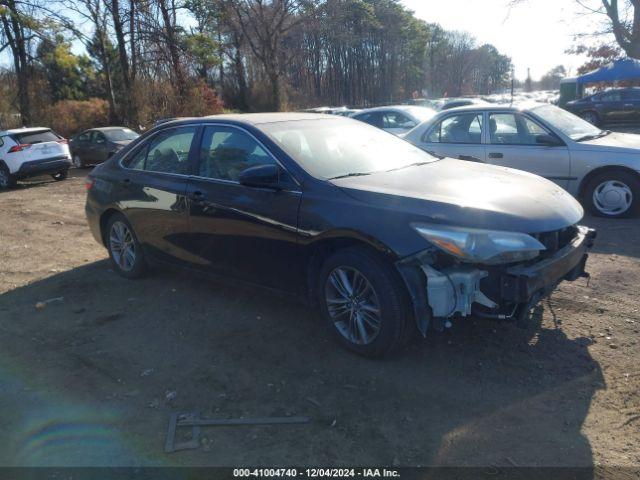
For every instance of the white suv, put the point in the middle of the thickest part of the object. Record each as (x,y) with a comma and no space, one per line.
(28,152)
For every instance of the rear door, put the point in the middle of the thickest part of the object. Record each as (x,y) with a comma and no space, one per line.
(631,100)
(80,145)
(152,192)
(99,150)
(244,232)
(512,143)
(41,144)
(458,135)
(611,107)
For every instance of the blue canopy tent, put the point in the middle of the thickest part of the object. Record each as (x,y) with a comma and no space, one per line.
(624,69)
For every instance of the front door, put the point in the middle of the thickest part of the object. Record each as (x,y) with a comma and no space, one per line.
(456,136)
(237,230)
(512,143)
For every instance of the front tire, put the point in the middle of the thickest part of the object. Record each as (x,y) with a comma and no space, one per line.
(364,302)
(6,179)
(77,161)
(58,177)
(591,117)
(125,252)
(613,194)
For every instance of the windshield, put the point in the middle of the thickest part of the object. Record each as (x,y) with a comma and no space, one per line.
(121,135)
(568,123)
(339,147)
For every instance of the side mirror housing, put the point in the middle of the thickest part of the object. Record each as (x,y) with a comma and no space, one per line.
(261,176)
(548,140)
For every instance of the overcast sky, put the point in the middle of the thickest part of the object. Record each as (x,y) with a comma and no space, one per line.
(535,34)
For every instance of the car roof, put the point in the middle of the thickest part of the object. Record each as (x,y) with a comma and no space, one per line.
(106,129)
(23,130)
(255,118)
(516,107)
(404,108)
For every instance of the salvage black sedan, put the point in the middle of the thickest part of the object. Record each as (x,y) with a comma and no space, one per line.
(385,239)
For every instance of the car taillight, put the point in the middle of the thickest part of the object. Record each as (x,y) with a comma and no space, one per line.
(63,141)
(88,183)
(19,148)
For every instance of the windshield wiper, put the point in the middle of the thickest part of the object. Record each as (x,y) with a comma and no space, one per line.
(593,136)
(417,164)
(355,174)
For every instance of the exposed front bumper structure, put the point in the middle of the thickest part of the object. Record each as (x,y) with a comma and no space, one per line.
(460,290)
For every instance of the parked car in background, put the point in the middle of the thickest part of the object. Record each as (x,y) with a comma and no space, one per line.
(599,167)
(29,152)
(96,145)
(384,238)
(621,106)
(462,102)
(396,119)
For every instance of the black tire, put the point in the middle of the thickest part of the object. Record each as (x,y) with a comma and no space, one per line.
(139,265)
(396,326)
(6,179)
(627,185)
(592,117)
(59,176)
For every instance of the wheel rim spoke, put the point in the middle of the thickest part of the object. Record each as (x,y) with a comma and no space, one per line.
(122,246)
(612,197)
(353,305)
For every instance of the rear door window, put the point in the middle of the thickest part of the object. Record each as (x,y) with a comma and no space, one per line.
(396,120)
(166,152)
(464,128)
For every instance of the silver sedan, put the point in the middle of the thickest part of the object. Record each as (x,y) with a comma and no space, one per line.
(599,167)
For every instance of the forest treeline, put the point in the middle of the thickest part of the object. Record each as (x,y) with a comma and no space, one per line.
(80,62)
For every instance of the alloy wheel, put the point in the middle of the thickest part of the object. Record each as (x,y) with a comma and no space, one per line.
(77,162)
(353,305)
(590,117)
(4,179)
(122,245)
(612,197)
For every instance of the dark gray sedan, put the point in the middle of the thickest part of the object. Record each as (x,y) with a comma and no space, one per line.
(98,144)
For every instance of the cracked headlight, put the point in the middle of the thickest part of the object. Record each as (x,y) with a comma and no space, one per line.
(489,247)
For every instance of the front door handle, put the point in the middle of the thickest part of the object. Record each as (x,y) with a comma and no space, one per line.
(496,155)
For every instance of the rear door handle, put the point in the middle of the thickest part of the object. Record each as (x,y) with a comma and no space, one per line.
(197,196)
(496,155)
(469,158)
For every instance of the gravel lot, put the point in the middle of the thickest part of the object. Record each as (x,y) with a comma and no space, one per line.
(91,379)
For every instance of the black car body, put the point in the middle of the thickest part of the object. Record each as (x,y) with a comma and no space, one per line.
(96,145)
(620,106)
(265,198)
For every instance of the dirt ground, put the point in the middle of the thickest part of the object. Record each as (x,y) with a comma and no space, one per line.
(92,378)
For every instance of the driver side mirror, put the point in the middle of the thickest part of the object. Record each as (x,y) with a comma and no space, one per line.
(548,140)
(261,176)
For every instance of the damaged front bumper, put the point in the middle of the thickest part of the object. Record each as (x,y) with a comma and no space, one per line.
(502,292)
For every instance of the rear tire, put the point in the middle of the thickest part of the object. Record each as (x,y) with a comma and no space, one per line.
(6,179)
(58,177)
(125,252)
(591,117)
(364,302)
(613,194)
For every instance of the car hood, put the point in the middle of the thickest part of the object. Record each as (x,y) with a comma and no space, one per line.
(468,194)
(618,142)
